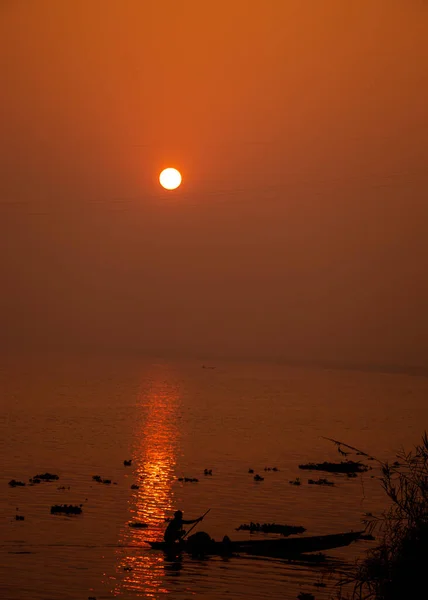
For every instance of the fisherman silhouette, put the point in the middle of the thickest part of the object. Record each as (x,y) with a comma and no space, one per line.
(175,532)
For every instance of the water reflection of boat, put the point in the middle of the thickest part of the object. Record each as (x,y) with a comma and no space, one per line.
(269,547)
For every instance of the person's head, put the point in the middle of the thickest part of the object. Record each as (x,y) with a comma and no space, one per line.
(178,514)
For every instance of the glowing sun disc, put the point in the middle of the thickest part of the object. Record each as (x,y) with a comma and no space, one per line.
(170,178)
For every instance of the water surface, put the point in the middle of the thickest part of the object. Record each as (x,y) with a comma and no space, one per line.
(82,417)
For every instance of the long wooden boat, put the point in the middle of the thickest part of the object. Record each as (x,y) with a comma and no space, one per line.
(267,547)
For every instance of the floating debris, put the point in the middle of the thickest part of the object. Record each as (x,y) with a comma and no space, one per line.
(284,530)
(134,486)
(44,477)
(258,478)
(188,479)
(296,481)
(348,466)
(271,469)
(127,463)
(63,487)
(250,470)
(138,525)
(208,471)
(305,596)
(127,568)
(99,479)
(19,518)
(15,483)
(351,475)
(67,509)
(320,482)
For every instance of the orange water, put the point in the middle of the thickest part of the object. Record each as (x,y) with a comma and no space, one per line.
(82,417)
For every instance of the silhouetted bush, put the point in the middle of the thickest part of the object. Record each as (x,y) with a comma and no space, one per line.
(396,568)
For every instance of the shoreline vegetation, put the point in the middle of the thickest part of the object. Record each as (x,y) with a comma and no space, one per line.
(396,567)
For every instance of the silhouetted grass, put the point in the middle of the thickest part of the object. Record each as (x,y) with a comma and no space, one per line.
(397,567)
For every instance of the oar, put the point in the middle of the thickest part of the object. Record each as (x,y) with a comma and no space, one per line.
(194,524)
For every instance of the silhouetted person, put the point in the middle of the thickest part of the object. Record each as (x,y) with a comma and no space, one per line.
(174,532)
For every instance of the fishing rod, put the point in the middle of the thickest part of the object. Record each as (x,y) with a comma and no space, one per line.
(194,524)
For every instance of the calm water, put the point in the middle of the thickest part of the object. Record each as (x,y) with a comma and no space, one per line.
(80,417)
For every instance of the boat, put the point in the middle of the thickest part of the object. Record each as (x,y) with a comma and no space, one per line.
(266,547)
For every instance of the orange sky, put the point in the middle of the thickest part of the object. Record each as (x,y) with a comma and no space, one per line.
(301,130)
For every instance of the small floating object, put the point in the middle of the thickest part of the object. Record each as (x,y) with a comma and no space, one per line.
(66,509)
(284,530)
(127,463)
(188,479)
(19,518)
(99,479)
(15,483)
(348,466)
(62,487)
(138,525)
(134,486)
(44,477)
(320,482)
(305,596)
(208,471)
(296,481)
(250,470)
(127,568)
(258,478)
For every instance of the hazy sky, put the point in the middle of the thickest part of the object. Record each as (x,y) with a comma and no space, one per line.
(301,130)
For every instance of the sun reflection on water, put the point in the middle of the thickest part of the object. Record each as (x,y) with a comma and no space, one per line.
(156,441)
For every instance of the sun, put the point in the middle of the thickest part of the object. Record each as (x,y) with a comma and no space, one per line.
(170,178)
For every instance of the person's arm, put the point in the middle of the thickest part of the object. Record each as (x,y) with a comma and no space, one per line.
(188,522)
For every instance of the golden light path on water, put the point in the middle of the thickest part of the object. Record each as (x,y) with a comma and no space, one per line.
(155,459)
